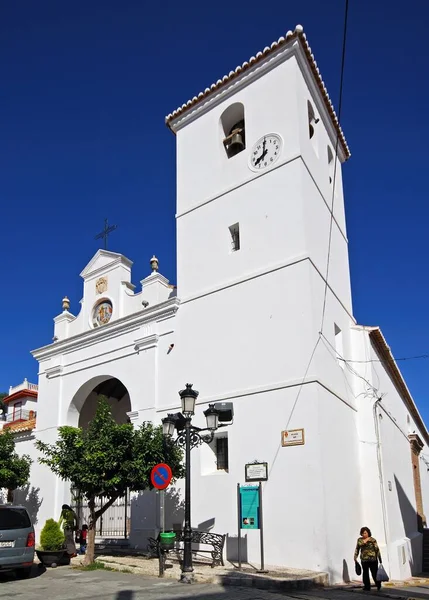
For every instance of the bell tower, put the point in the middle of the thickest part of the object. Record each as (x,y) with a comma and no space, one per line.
(255,152)
(259,210)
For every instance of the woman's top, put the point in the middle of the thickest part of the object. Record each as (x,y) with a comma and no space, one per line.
(83,536)
(68,519)
(369,550)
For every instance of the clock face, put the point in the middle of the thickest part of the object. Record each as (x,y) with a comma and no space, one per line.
(265,152)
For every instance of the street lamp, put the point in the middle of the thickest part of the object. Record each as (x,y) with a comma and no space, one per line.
(189,436)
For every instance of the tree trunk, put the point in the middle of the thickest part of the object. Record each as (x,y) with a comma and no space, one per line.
(90,546)
(9,498)
(94,515)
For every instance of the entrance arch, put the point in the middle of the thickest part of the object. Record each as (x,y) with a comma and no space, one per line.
(118,399)
(84,403)
(115,522)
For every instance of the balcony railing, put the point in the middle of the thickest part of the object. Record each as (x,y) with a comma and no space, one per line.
(20,414)
(26,385)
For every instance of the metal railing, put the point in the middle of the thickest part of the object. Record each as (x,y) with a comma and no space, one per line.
(20,414)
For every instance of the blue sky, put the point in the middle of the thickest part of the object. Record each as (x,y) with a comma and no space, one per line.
(85,88)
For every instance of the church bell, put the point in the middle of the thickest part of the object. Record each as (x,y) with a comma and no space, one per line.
(236,144)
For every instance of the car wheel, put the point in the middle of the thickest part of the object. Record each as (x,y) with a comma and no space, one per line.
(23,573)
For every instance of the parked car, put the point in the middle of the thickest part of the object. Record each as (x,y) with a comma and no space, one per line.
(17,540)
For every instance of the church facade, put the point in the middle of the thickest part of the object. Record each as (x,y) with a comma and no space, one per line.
(261,317)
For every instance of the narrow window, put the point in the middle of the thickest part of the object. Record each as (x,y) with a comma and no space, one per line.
(330,165)
(233,130)
(312,121)
(234,231)
(222,453)
(339,345)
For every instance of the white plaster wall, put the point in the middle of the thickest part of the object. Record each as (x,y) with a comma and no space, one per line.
(314,152)
(41,495)
(340,483)
(389,509)
(222,342)
(203,169)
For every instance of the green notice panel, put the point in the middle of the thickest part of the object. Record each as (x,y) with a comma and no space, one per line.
(249,507)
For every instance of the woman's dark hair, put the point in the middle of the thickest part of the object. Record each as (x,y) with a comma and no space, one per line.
(367,529)
(65,507)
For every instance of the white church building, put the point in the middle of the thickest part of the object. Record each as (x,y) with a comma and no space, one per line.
(258,320)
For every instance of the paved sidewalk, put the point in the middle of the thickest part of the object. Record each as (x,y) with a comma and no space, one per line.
(66,583)
(276,578)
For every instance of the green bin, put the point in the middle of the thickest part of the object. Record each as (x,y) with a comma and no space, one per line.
(167,540)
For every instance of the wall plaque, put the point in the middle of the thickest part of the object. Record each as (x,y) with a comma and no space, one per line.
(256,471)
(293,437)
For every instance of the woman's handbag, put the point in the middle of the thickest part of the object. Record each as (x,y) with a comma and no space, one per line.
(381,574)
(358,568)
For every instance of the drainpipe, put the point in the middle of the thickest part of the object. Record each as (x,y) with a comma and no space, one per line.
(381,478)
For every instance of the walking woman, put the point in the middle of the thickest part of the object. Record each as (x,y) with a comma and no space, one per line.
(370,557)
(68,519)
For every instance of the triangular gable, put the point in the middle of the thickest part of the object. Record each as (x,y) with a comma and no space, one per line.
(103,259)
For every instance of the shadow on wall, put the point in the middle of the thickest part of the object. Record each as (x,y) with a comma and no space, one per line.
(346,574)
(30,498)
(410,518)
(232,548)
(146,518)
(412,522)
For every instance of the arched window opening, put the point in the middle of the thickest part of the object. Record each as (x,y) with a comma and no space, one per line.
(233,129)
(330,164)
(312,121)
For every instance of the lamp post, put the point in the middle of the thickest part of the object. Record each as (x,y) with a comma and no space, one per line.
(189,436)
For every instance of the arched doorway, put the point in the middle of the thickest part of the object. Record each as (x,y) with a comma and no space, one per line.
(115,522)
(118,399)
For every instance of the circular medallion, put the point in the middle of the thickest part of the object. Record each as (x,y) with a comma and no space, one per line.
(102,313)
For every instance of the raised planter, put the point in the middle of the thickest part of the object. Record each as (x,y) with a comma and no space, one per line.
(51,558)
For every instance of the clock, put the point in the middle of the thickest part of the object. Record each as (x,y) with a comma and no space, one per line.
(265,152)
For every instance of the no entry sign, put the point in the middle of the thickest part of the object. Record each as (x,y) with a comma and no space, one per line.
(161,476)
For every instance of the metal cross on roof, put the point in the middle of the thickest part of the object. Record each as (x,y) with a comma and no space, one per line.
(105,233)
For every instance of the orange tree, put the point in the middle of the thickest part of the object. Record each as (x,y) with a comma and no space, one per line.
(107,459)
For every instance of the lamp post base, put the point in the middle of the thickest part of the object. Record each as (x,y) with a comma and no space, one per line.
(187,577)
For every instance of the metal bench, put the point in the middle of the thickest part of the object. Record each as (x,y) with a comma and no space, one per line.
(215,540)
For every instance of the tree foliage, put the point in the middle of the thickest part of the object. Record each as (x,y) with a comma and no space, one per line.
(107,459)
(51,536)
(14,469)
(3,406)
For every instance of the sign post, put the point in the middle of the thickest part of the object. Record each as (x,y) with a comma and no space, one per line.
(161,476)
(261,530)
(249,505)
(239,525)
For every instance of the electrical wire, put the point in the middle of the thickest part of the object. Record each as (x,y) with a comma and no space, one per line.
(340,102)
(340,106)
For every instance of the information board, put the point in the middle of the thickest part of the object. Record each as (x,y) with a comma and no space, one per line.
(249,507)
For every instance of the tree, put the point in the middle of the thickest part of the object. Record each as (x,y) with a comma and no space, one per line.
(3,406)
(14,469)
(107,459)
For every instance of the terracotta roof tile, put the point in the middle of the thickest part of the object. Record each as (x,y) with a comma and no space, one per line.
(299,34)
(20,426)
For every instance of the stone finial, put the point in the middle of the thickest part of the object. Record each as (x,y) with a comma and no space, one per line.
(154,264)
(66,303)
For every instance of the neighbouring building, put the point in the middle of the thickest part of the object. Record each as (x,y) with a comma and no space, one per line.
(256,321)
(21,408)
